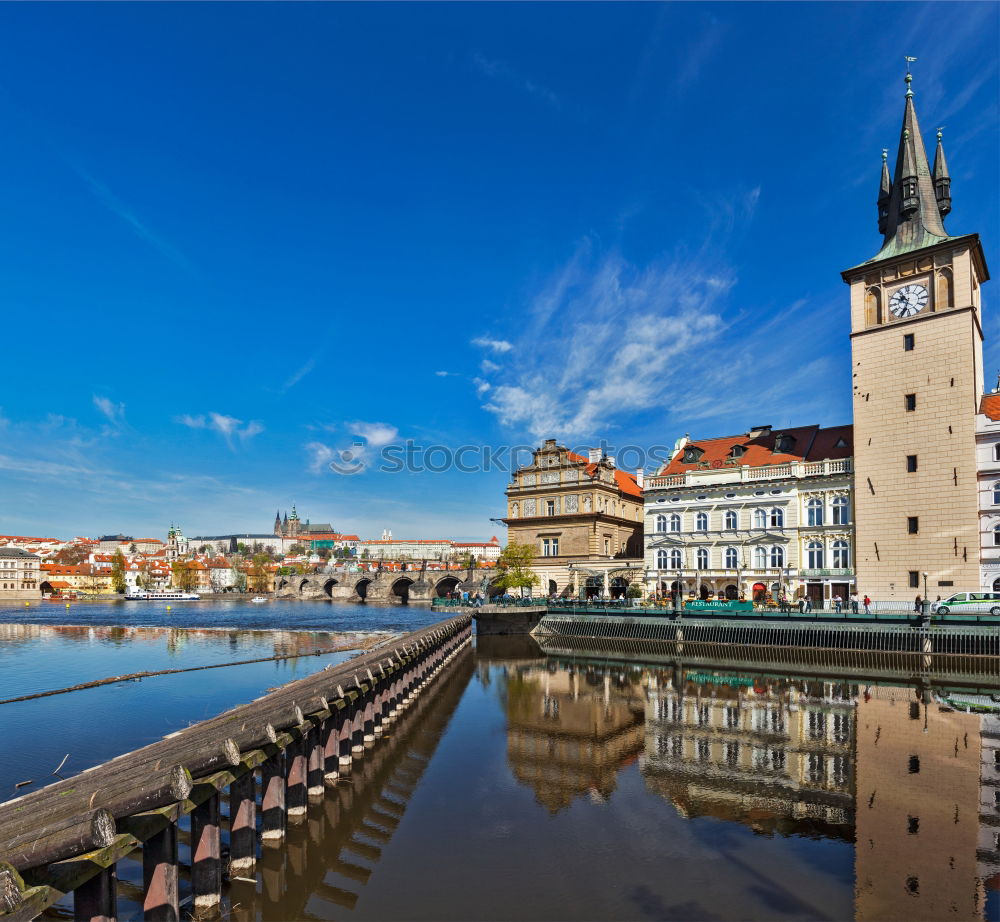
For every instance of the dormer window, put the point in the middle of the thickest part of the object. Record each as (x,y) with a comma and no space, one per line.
(841,443)
(783,444)
(692,454)
(737,451)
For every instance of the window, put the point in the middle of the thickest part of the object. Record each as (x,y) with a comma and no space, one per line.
(777,556)
(817,725)
(704,751)
(996,493)
(733,717)
(841,510)
(701,521)
(702,557)
(914,710)
(913,825)
(841,555)
(759,518)
(661,523)
(913,766)
(732,558)
(996,452)
(777,518)
(914,579)
(732,753)
(912,524)
(814,555)
(704,715)
(841,728)
(910,402)
(760,558)
(731,520)
(550,507)
(996,535)
(675,522)
(908,340)
(661,560)
(911,467)
(675,559)
(814,511)
(607,546)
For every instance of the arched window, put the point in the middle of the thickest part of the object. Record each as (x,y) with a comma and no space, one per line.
(996,585)
(777,556)
(945,291)
(841,510)
(732,558)
(702,559)
(732,522)
(760,518)
(661,560)
(814,554)
(841,554)
(701,521)
(675,521)
(675,559)
(873,307)
(760,558)
(777,518)
(661,523)
(814,511)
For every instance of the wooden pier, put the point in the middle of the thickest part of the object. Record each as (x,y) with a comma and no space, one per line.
(69,836)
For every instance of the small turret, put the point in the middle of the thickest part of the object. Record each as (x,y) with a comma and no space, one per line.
(942,181)
(884,193)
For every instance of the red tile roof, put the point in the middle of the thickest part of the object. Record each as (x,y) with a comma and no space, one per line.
(811,444)
(990,406)
(626,481)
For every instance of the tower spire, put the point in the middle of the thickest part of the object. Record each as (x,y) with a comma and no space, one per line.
(912,212)
(942,180)
(884,192)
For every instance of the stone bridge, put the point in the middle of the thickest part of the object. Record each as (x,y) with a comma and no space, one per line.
(419,585)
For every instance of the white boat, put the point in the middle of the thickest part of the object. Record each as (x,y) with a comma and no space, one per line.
(258,600)
(142,596)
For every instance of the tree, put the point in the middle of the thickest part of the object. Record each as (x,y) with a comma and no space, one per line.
(515,568)
(241,547)
(258,576)
(296,549)
(145,578)
(118,571)
(184,576)
(132,548)
(325,553)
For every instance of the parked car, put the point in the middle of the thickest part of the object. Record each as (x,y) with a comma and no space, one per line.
(972,603)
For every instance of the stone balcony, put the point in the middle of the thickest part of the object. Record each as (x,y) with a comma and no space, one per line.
(744,474)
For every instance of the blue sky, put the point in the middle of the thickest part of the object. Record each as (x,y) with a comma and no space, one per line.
(239,239)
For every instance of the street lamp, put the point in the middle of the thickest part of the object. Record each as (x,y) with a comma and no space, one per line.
(926,605)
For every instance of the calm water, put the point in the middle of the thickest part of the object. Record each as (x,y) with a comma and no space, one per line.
(529,787)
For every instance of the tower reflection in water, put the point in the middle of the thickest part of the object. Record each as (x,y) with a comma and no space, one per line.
(910,779)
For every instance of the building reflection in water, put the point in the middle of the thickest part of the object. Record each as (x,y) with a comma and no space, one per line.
(904,773)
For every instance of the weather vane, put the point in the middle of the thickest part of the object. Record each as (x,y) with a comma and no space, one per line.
(909,61)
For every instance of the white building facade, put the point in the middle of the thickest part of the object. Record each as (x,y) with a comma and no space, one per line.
(988,475)
(754,516)
(19,575)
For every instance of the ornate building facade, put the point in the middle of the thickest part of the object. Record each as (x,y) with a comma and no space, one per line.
(583,516)
(753,515)
(916,344)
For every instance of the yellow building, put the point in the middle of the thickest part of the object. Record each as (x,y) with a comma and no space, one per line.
(916,335)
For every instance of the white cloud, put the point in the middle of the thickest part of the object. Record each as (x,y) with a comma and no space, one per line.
(320,456)
(500,70)
(375,434)
(229,427)
(115,412)
(488,367)
(445,374)
(497,345)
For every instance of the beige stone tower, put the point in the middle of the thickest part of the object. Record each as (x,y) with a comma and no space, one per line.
(916,344)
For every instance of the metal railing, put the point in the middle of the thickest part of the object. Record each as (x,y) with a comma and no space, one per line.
(745,474)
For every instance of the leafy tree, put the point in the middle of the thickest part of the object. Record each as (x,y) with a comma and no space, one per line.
(204,549)
(145,579)
(633,592)
(118,571)
(258,576)
(515,568)
(296,549)
(132,548)
(184,576)
(241,547)
(325,553)
(239,579)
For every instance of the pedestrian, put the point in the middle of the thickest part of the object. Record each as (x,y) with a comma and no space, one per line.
(802,605)
(867,603)
(854,602)
(838,604)
(809,604)
(918,604)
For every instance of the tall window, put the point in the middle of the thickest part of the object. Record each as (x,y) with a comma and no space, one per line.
(702,559)
(732,522)
(777,556)
(701,521)
(777,518)
(814,554)
(661,523)
(841,555)
(814,511)
(661,560)
(996,452)
(675,559)
(760,518)
(841,510)
(732,558)
(675,522)
(550,507)
(996,494)
(996,535)
(550,547)
(760,558)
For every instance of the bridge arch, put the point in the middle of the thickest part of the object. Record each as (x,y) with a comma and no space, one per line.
(361,587)
(401,589)
(328,586)
(445,585)
(303,583)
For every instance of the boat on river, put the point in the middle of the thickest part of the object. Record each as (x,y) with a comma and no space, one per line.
(144,596)
(258,600)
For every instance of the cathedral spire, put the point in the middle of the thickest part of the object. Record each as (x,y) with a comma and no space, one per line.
(912,213)
(884,192)
(942,180)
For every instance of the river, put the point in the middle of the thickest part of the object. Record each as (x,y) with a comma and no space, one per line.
(529,786)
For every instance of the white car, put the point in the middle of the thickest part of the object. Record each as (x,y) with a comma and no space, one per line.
(972,603)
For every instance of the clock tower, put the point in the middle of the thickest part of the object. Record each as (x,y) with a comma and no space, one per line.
(916,356)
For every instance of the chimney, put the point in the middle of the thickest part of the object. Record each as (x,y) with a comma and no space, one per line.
(594,455)
(640,477)
(757,431)
(610,459)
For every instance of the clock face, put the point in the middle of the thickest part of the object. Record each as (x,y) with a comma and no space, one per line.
(908,300)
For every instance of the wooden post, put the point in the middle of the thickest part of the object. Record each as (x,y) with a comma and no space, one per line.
(242,825)
(330,738)
(295,769)
(97,899)
(272,774)
(344,731)
(159,877)
(206,857)
(368,723)
(316,762)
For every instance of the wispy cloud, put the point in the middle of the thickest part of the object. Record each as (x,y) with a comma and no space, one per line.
(504,72)
(115,412)
(319,456)
(229,427)
(445,374)
(698,51)
(375,434)
(117,207)
(496,345)
(299,374)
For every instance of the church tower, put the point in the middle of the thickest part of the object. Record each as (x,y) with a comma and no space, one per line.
(916,356)
(277,523)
